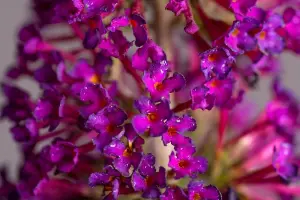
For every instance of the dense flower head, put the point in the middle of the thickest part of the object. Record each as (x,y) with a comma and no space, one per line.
(120,87)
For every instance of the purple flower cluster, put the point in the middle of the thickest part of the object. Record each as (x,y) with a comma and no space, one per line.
(104,101)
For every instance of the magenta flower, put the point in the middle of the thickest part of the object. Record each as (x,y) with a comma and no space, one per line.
(197,190)
(283,161)
(160,85)
(147,180)
(123,156)
(96,98)
(177,126)
(185,164)
(64,155)
(26,134)
(216,62)
(149,50)
(109,177)
(240,38)
(173,193)
(18,106)
(268,40)
(152,117)
(108,123)
(215,93)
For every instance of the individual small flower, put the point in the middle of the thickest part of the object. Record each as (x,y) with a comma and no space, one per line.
(152,117)
(241,7)
(123,156)
(148,50)
(147,180)
(64,155)
(94,34)
(160,85)
(173,193)
(258,14)
(45,75)
(138,26)
(267,64)
(185,164)
(91,39)
(240,38)
(82,72)
(282,161)
(214,93)
(118,22)
(179,7)
(96,98)
(47,108)
(23,135)
(121,44)
(177,126)
(197,190)
(216,62)
(108,123)
(105,177)
(101,63)
(109,177)
(268,40)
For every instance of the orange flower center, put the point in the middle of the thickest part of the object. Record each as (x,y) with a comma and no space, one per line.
(158,86)
(127,152)
(183,164)
(152,117)
(262,35)
(214,83)
(197,196)
(213,57)
(94,79)
(133,23)
(172,131)
(235,32)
